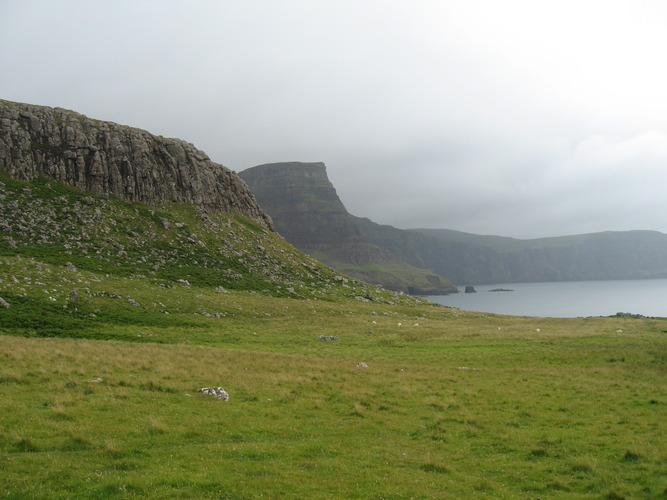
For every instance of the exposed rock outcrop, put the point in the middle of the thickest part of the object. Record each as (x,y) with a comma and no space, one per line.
(305,207)
(105,158)
(307,212)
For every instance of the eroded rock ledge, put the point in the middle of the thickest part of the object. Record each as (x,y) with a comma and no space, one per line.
(105,158)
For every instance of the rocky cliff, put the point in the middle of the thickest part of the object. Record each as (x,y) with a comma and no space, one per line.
(307,212)
(105,158)
(609,255)
(477,259)
(298,196)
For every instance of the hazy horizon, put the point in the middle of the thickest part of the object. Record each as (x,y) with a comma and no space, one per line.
(518,118)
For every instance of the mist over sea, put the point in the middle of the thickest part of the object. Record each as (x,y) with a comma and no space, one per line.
(565,299)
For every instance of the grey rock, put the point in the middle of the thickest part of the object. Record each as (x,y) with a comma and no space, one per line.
(217,392)
(4,303)
(132,302)
(104,158)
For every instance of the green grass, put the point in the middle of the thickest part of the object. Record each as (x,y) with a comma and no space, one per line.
(452,404)
(57,224)
(98,387)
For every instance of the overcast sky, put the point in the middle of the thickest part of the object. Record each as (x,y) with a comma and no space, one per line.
(522,118)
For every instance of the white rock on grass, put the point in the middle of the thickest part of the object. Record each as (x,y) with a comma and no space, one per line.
(327,338)
(217,392)
(3,303)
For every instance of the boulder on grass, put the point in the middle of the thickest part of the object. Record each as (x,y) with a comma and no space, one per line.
(217,392)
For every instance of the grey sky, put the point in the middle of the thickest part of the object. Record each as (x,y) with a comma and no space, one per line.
(522,118)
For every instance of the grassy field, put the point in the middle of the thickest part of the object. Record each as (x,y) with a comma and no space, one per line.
(118,313)
(447,404)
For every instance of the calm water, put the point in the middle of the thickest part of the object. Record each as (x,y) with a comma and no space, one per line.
(565,298)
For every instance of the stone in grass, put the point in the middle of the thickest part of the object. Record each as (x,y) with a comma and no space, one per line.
(3,303)
(362,365)
(217,392)
(327,337)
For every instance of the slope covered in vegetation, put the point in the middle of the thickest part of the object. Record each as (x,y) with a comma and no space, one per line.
(172,243)
(114,314)
(337,389)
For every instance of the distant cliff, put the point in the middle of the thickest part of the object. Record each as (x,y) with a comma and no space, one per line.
(609,255)
(307,212)
(303,204)
(476,259)
(110,159)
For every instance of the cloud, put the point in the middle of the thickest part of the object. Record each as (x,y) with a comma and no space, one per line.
(518,118)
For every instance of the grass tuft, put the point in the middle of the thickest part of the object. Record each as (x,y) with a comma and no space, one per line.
(24,445)
(631,457)
(155,426)
(431,467)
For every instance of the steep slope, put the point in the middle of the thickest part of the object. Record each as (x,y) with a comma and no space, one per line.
(172,245)
(79,195)
(105,158)
(306,210)
(595,256)
(303,205)
(476,259)
(79,265)
(463,263)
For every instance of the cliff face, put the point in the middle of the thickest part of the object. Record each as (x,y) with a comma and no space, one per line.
(307,212)
(475,259)
(463,263)
(303,204)
(109,159)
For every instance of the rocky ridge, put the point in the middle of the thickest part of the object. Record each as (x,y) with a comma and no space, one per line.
(308,213)
(105,158)
(478,259)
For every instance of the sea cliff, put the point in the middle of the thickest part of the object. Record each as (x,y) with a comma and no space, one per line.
(106,158)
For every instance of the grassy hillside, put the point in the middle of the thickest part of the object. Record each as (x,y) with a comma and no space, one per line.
(173,245)
(102,354)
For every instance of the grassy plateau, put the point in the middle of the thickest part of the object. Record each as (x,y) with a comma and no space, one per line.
(117,314)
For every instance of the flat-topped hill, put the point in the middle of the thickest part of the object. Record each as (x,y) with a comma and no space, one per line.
(307,211)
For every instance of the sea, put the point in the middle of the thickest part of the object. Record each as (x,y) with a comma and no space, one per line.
(564,299)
